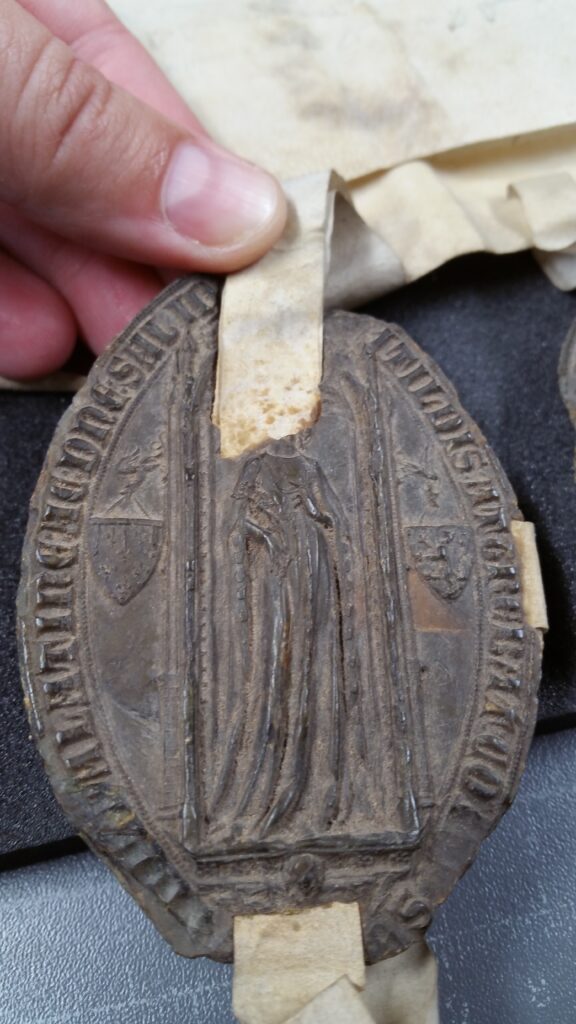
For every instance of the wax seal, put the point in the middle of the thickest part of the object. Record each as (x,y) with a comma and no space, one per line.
(300,676)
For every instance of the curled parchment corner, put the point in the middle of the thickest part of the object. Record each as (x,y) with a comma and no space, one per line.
(445,142)
(446,147)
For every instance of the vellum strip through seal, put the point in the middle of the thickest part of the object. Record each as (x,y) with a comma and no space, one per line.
(419,113)
(270,342)
(307,967)
(283,961)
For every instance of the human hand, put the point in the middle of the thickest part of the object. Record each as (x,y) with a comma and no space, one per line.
(105,174)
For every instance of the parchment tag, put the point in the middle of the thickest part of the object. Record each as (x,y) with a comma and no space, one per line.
(270,336)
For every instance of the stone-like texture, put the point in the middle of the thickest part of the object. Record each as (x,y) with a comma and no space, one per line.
(496,327)
(298,677)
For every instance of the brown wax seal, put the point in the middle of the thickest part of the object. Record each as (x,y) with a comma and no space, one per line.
(299,676)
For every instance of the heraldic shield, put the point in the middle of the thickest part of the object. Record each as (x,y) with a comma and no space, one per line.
(124,553)
(299,676)
(443,557)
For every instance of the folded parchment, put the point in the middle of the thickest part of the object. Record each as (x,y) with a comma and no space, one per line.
(376,91)
(270,338)
(451,124)
(306,85)
(307,967)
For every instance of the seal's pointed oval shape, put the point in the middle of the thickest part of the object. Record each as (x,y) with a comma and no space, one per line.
(296,677)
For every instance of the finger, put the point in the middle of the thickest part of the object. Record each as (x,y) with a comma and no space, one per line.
(99,38)
(37,329)
(103,292)
(87,160)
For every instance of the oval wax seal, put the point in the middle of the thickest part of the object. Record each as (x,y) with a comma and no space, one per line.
(299,676)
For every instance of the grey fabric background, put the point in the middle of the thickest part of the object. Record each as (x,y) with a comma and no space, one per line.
(75,949)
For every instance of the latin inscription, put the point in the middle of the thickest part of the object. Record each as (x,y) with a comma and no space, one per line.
(395,892)
(501,718)
(68,715)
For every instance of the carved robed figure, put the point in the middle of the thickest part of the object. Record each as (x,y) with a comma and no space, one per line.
(299,676)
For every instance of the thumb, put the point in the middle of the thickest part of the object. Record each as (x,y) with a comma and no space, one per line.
(88,160)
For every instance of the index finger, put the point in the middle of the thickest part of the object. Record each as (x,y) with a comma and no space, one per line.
(99,38)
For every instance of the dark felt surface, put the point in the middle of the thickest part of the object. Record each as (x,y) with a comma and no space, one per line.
(29,814)
(495,326)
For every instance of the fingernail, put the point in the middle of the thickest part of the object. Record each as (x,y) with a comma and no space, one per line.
(216,199)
